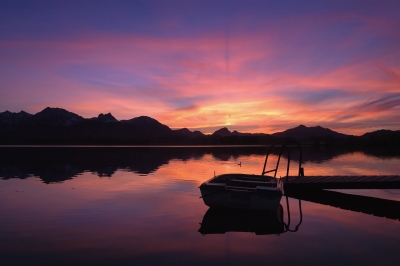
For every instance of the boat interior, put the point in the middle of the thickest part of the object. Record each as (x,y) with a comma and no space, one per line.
(245,180)
(248,181)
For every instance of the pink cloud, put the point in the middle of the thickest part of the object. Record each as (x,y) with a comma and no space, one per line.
(191,82)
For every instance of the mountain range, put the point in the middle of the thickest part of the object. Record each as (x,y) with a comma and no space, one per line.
(59,126)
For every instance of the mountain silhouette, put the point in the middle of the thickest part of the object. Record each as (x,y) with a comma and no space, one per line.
(223,132)
(105,118)
(186,132)
(303,132)
(145,121)
(9,118)
(59,126)
(380,138)
(54,117)
(382,133)
(56,125)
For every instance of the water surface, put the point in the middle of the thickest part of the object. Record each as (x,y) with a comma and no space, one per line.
(141,206)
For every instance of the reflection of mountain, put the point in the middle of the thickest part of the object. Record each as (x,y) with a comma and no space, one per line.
(311,154)
(221,221)
(59,164)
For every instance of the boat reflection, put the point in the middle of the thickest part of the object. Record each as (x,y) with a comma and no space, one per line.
(223,220)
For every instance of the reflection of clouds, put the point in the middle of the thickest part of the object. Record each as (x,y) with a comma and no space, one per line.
(394,192)
(356,163)
(70,163)
(114,220)
(157,216)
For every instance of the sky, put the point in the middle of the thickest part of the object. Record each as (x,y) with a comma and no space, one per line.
(251,66)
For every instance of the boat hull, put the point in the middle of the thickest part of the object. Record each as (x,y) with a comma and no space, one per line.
(260,198)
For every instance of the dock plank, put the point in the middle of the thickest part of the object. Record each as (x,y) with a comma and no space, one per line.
(332,182)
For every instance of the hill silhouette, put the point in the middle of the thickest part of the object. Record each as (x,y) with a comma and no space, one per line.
(186,132)
(59,126)
(307,132)
(223,132)
(105,118)
(9,118)
(54,117)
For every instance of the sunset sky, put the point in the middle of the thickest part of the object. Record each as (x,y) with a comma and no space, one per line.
(252,66)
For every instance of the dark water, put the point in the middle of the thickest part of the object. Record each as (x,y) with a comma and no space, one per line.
(141,206)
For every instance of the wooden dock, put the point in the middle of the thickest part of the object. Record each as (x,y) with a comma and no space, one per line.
(341,182)
(368,205)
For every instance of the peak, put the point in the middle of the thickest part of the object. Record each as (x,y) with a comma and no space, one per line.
(8,117)
(143,120)
(224,129)
(52,109)
(55,111)
(106,118)
(103,115)
(222,132)
(20,114)
(55,117)
(186,132)
(184,129)
(143,117)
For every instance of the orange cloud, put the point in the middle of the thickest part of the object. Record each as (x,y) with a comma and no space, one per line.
(203,82)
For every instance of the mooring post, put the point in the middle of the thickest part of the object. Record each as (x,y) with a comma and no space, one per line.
(301,172)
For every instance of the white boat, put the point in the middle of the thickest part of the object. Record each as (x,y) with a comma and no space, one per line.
(244,191)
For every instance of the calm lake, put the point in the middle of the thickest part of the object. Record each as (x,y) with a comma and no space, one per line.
(141,206)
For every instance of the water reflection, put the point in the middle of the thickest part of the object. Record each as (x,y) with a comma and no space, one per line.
(129,219)
(223,220)
(61,164)
(220,221)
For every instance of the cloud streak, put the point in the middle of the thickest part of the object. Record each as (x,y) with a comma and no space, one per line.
(187,66)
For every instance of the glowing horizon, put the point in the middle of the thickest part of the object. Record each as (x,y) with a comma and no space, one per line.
(258,67)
